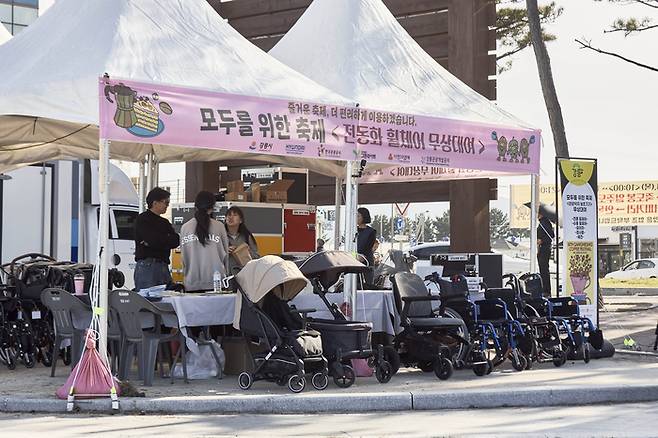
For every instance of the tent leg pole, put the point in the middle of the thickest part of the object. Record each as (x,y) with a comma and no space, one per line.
(149,181)
(142,185)
(534,208)
(338,202)
(350,226)
(81,212)
(103,186)
(355,204)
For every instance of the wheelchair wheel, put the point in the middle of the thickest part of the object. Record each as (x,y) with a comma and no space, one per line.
(28,360)
(66,355)
(245,380)
(296,383)
(384,372)
(559,357)
(320,381)
(519,361)
(346,378)
(46,357)
(443,368)
(528,360)
(392,357)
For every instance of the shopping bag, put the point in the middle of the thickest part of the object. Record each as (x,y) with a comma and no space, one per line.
(90,377)
(203,365)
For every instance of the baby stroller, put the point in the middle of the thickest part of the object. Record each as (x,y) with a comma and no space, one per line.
(344,340)
(263,316)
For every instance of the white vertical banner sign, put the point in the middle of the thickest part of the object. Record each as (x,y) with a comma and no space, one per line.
(578,179)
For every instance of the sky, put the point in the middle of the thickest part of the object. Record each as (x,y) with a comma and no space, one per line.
(609,107)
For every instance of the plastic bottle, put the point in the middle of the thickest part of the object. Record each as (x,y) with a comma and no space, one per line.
(217,282)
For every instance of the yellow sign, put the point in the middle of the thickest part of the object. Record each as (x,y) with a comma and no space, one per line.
(577,172)
(619,203)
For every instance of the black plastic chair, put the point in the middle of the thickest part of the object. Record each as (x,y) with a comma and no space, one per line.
(63,305)
(129,306)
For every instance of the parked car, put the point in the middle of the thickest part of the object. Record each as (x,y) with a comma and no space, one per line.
(643,268)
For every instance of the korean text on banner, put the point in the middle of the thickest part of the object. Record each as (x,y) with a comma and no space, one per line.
(579,206)
(169,115)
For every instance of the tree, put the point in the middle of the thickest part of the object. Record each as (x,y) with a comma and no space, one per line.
(441,227)
(629,26)
(383,233)
(546,80)
(498,224)
(512,30)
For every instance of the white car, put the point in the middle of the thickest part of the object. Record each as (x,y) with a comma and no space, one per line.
(643,268)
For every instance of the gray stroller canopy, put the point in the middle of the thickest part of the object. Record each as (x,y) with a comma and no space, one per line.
(327,266)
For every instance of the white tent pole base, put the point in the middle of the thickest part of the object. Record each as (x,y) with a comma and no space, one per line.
(103,186)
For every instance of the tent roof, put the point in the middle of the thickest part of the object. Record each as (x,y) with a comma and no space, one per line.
(185,43)
(358,49)
(4,34)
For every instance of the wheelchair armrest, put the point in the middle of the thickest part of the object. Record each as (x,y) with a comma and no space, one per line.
(423,298)
(303,312)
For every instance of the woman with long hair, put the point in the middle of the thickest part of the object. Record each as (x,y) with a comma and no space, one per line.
(238,233)
(204,245)
(366,239)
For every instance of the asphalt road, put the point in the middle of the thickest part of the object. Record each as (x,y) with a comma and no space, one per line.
(629,420)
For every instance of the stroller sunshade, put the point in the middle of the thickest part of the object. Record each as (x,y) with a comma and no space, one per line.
(327,266)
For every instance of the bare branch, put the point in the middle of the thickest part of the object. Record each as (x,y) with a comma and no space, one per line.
(639,64)
(647,3)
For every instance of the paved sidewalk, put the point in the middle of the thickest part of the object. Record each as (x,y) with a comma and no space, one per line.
(601,381)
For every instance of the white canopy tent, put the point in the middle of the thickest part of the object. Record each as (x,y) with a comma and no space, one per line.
(49,100)
(4,35)
(358,49)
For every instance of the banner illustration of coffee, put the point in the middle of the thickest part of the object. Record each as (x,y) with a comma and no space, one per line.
(579,206)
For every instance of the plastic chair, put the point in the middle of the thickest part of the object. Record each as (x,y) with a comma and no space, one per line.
(128,306)
(62,305)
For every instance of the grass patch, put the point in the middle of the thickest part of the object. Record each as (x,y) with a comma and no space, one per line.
(634,283)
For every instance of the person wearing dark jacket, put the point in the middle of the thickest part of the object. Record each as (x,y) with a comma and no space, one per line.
(366,239)
(154,240)
(545,236)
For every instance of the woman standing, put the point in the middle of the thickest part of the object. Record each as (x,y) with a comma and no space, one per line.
(204,246)
(366,239)
(238,233)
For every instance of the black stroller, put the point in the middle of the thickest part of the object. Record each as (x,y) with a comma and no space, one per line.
(264,317)
(344,340)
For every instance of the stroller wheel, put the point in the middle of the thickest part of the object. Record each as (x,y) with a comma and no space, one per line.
(28,360)
(296,383)
(66,355)
(528,359)
(459,364)
(346,378)
(320,381)
(46,357)
(392,357)
(245,380)
(443,368)
(519,361)
(384,372)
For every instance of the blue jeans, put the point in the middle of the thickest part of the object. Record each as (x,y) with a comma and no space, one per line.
(151,272)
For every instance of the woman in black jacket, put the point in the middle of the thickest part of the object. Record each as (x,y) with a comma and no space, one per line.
(366,239)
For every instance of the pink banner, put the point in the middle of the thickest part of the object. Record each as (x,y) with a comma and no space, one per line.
(162,114)
(424,173)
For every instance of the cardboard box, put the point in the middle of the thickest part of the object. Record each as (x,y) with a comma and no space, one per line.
(254,192)
(277,191)
(235,186)
(236,196)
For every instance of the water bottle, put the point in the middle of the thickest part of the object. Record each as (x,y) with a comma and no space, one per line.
(217,282)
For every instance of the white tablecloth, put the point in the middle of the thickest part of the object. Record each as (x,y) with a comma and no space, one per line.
(200,310)
(375,306)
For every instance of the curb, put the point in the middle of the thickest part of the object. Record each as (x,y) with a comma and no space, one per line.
(621,291)
(348,403)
